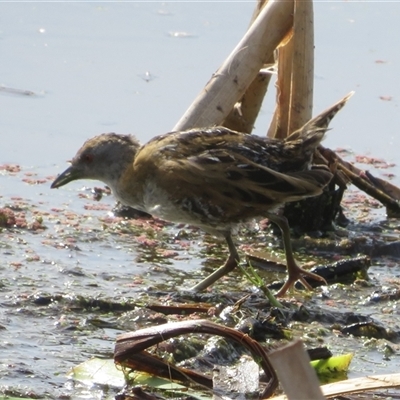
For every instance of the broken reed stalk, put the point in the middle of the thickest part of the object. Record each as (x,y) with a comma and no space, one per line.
(379,189)
(232,79)
(295,74)
(280,121)
(360,386)
(245,112)
(297,377)
(257,10)
(301,103)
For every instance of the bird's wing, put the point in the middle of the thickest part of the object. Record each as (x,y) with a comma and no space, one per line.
(237,186)
(261,184)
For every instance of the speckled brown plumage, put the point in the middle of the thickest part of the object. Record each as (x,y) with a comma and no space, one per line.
(213,178)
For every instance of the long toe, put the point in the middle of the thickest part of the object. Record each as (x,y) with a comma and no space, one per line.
(297,274)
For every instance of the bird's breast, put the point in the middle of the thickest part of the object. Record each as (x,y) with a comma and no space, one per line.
(161,203)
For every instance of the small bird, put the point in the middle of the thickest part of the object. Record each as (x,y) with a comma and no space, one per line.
(216,179)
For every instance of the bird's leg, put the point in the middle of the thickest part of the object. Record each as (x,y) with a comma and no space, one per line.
(295,272)
(230,264)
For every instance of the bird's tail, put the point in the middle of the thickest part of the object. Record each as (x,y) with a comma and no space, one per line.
(312,132)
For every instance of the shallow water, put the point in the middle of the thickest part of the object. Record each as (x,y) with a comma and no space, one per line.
(94,67)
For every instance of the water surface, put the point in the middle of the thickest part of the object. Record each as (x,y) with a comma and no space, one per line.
(92,67)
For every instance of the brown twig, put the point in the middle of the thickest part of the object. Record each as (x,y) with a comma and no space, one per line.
(379,189)
(129,349)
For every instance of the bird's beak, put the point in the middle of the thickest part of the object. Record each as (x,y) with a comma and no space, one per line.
(69,175)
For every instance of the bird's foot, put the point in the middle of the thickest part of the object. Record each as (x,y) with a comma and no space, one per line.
(297,274)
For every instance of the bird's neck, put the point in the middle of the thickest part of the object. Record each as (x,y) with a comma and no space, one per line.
(128,189)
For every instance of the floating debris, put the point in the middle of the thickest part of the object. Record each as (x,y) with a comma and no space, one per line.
(18,92)
(180,34)
(147,76)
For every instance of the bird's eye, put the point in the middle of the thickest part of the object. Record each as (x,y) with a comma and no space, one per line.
(87,158)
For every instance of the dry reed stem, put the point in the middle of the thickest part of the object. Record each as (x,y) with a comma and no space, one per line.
(358,385)
(280,127)
(297,377)
(241,67)
(295,74)
(244,114)
(301,103)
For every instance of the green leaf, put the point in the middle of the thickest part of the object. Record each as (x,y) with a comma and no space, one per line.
(98,371)
(333,364)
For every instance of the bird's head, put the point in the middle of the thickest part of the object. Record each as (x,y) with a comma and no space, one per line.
(104,158)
